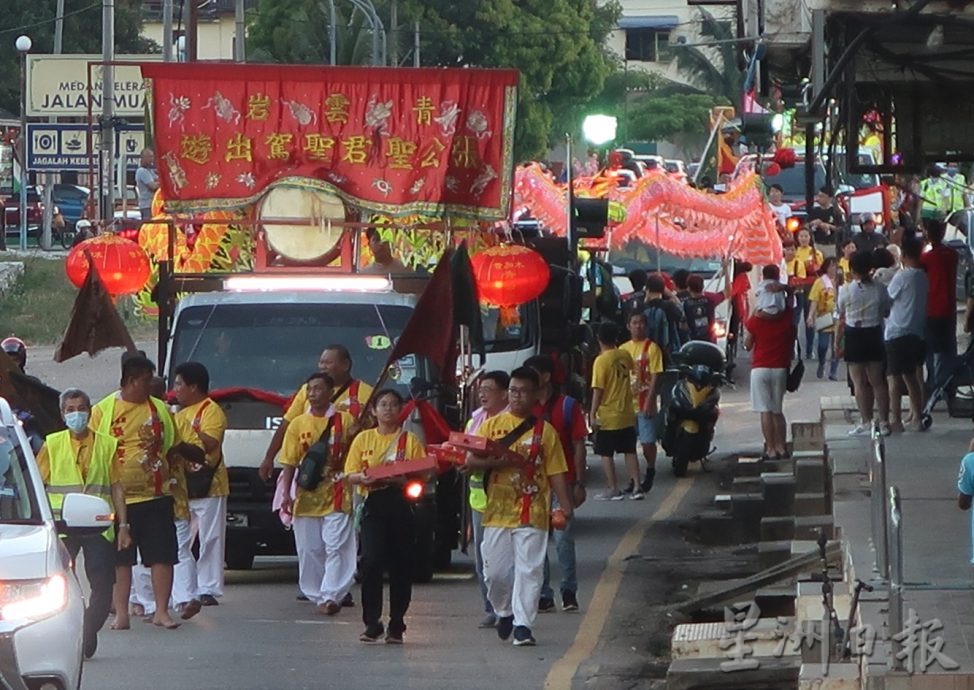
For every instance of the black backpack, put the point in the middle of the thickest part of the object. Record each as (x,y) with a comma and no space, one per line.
(700,315)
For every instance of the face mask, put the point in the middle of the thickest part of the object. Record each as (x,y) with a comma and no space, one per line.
(76,421)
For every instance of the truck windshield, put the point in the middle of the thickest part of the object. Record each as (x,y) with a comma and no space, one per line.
(792,180)
(18,504)
(275,347)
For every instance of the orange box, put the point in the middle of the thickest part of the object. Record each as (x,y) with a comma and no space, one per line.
(396,469)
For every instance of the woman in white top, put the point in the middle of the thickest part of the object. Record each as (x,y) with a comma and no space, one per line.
(863,304)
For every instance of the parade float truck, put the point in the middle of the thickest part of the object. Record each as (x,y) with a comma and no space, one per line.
(270,177)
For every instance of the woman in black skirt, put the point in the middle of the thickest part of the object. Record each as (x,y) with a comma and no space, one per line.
(863,304)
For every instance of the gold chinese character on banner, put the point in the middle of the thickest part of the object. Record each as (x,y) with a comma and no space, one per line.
(336,108)
(424,110)
(355,149)
(277,145)
(239,147)
(430,154)
(258,107)
(465,152)
(318,147)
(196,148)
(400,151)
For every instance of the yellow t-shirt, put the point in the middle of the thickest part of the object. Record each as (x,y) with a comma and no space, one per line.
(301,434)
(824,300)
(811,257)
(507,487)
(299,405)
(844,267)
(81,449)
(139,450)
(647,361)
(611,372)
(213,422)
(370,449)
(796,268)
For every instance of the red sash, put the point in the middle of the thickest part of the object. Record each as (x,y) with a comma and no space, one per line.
(156,433)
(338,489)
(527,473)
(643,366)
(354,406)
(199,416)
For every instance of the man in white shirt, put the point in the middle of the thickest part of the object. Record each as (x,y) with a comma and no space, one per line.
(904,336)
(781,210)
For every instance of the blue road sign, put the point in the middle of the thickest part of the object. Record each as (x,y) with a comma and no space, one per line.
(61,147)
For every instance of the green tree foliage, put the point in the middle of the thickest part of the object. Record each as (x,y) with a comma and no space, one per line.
(712,69)
(296,32)
(82,34)
(556,45)
(669,117)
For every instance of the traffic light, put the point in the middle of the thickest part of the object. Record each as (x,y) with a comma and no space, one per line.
(589,217)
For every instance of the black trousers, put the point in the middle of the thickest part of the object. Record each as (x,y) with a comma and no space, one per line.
(100,571)
(387,537)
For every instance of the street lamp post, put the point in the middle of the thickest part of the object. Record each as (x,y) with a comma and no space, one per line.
(23,44)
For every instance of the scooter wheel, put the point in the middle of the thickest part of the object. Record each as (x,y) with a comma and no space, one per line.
(926,421)
(680,467)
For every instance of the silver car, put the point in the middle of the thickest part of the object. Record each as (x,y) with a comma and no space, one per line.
(41,601)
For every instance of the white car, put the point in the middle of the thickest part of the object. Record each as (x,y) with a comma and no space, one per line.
(41,602)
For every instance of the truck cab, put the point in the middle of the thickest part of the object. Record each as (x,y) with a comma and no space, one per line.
(261,339)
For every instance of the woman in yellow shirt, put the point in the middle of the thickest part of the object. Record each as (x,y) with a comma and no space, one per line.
(821,310)
(811,259)
(386,531)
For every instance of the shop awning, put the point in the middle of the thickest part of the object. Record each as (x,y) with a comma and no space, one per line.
(657,21)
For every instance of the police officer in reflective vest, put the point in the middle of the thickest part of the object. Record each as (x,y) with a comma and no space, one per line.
(936,193)
(79,460)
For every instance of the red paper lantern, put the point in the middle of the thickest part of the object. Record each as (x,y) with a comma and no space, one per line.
(122,264)
(509,275)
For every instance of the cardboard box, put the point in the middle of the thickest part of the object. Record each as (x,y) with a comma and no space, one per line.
(396,469)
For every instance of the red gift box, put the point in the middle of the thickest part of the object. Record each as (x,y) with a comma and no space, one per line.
(470,442)
(396,469)
(445,452)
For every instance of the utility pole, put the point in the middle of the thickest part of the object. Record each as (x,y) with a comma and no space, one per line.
(394,34)
(108,109)
(416,44)
(332,33)
(48,218)
(240,35)
(191,31)
(167,45)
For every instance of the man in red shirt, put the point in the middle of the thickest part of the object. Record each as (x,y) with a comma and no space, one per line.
(771,342)
(566,415)
(940,263)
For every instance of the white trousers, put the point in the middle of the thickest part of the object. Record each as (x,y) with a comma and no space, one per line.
(326,556)
(184,574)
(208,519)
(514,570)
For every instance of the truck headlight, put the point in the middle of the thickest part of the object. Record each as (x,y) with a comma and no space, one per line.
(33,599)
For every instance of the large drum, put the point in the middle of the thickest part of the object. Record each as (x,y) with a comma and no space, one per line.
(302,243)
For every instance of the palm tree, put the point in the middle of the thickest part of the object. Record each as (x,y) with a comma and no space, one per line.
(712,69)
(279,32)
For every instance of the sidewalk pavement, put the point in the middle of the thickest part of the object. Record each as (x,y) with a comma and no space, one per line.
(936,536)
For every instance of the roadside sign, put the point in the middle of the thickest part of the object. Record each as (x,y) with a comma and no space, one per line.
(57,85)
(61,147)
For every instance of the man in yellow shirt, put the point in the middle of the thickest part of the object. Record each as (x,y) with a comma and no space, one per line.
(146,433)
(324,534)
(202,425)
(613,417)
(79,460)
(517,517)
(349,395)
(646,374)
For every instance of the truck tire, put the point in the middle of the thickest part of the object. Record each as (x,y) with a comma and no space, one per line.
(240,558)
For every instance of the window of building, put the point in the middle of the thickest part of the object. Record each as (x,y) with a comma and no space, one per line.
(648,45)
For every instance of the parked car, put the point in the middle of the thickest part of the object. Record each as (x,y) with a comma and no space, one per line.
(35,211)
(676,169)
(41,601)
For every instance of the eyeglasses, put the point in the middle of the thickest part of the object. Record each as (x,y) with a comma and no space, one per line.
(518,392)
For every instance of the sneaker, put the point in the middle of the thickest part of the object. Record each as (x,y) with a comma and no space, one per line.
(546,605)
(637,495)
(505,626)
(393,638)
(489,621)
(609,495)
(648,480)
(371,635)
(569,602)
(884,429)
(523,637)
(820,372)
(347,601)
(629,487)
(209,600)
(833,377)
(860,430)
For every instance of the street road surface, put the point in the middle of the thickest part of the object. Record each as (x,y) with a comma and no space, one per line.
(261,637)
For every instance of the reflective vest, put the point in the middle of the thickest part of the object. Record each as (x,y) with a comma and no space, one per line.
(936,195)
(66,475)
(477,492)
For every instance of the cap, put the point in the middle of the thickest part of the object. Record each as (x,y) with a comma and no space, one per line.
(866,218)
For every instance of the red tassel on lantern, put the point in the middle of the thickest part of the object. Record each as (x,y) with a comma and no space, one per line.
(786,158)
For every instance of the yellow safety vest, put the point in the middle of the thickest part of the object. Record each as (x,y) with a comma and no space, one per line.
(66,475)
(936,197)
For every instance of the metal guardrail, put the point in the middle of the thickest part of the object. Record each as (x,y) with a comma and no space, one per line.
(896,584)
(879,504)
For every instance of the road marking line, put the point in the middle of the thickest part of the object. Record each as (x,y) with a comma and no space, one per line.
(590,630)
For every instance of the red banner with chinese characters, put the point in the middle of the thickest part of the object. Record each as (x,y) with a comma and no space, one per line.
(395,141)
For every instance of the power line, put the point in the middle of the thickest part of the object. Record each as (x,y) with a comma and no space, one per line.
(17,29)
